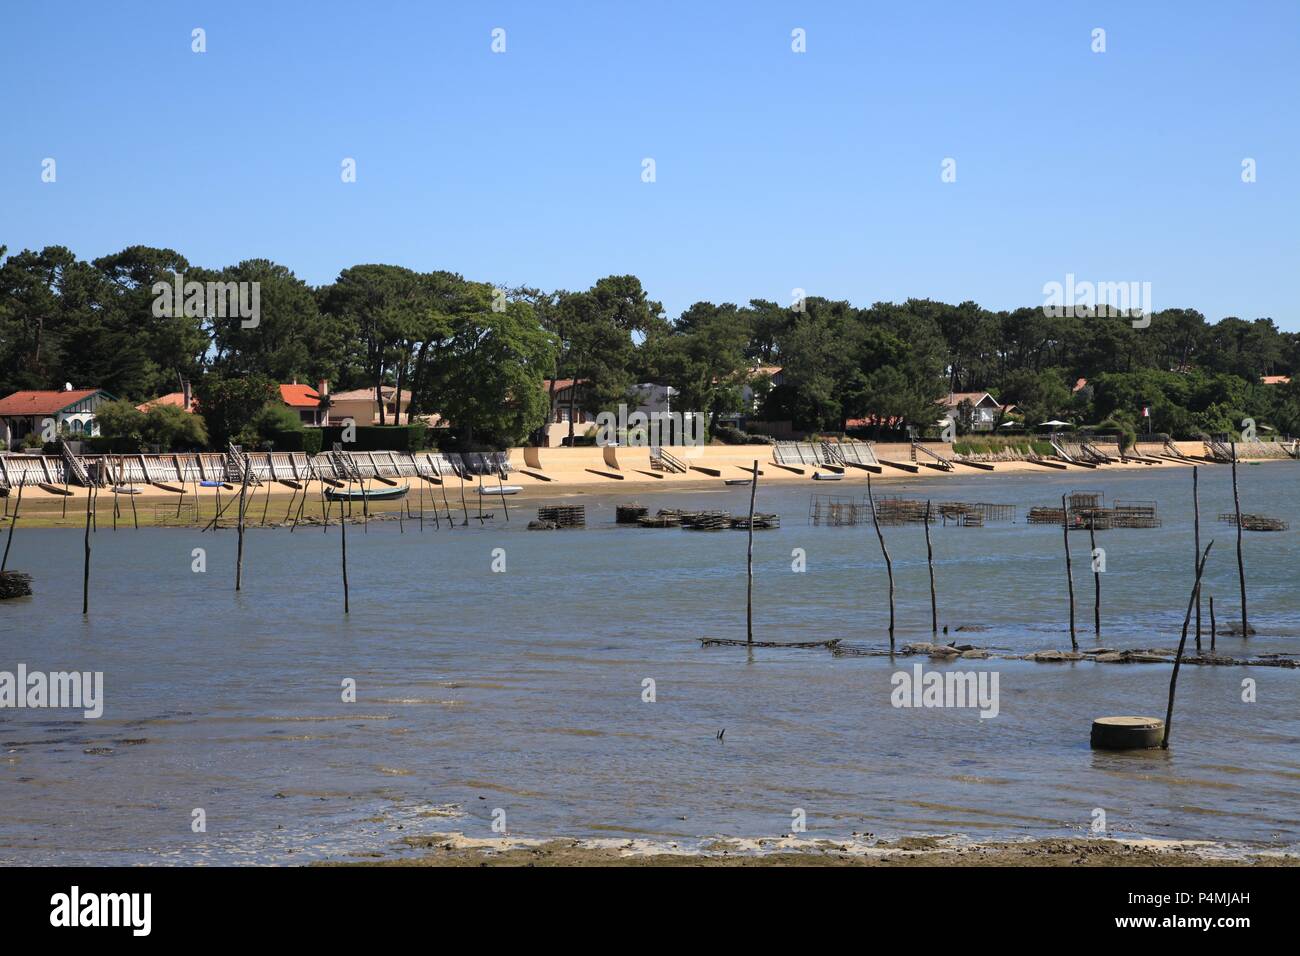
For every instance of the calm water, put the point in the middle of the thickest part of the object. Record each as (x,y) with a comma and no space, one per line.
(522,690)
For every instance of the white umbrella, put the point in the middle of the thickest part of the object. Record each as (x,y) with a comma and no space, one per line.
(1008,424)
(1054,422)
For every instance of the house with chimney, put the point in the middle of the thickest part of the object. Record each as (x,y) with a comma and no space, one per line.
(306,401)
(39,413)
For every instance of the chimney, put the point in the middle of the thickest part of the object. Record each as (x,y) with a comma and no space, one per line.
(323,388)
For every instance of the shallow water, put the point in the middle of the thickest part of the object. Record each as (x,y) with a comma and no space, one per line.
(522,690)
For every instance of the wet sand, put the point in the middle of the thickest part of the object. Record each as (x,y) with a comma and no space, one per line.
(454,851)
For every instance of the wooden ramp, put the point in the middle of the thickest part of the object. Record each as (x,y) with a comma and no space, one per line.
(920,454)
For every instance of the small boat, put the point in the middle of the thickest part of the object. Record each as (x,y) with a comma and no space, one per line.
(368,494)
(214,484)
(739,481)
(125,490)
(827,476)
(500,489)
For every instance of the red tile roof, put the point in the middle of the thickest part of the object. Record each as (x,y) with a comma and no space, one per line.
(299,396)
(561,383)
(42,403)
(171,398)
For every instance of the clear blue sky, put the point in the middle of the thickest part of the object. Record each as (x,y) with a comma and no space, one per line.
(775,170)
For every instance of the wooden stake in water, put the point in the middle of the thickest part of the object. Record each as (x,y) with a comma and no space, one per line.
(749,563)
(464,507)
(243,506)
(445,503)
(1096,582)
(1196,554)
(1069,570)
(266,502)
(929,560)
(13,523)
(419,480)
(343,539)
(889,565)
(85,574)
(506,507)
(1241,566)
(1213,628)
(135,517)
(1182,643)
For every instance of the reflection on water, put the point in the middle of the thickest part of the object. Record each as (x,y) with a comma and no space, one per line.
(523,690)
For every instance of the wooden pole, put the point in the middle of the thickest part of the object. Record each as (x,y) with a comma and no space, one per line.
(85,574)
(324,506)
(889,565)
(1182,643)
(1096,583)
(749,563)
(420,480)
(506,507)
(243,507)
(1069,570)
(929,560)
(135,517)
(1196,554)
(1241,566)
(215,522)
(116,482)
(266,502)
(293,498)
(460,471)
(343,539)
(1213,628)
(13,523)
(445,503)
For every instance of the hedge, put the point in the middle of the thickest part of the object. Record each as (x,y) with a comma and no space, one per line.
(410,437)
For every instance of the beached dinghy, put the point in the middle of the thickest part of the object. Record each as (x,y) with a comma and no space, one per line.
(125,490)
(827,476)
(740,481)
(500,489)
(368,494)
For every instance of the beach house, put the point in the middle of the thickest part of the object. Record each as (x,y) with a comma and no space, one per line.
(50,413)
(972,411)
(306,401)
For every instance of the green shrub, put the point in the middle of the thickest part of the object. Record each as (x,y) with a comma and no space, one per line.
(408,438)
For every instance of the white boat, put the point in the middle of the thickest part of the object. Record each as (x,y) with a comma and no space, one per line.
(500,489)
(827,476)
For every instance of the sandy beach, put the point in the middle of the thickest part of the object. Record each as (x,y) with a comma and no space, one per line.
(563,472)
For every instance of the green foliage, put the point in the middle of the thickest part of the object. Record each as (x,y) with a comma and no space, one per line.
(477,357)
(412,437)
(171,428)
(230,405)
(121,420)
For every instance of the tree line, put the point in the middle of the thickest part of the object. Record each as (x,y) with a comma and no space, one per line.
(478,354)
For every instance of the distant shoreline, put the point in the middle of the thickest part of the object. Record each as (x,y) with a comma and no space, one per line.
(572,472)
